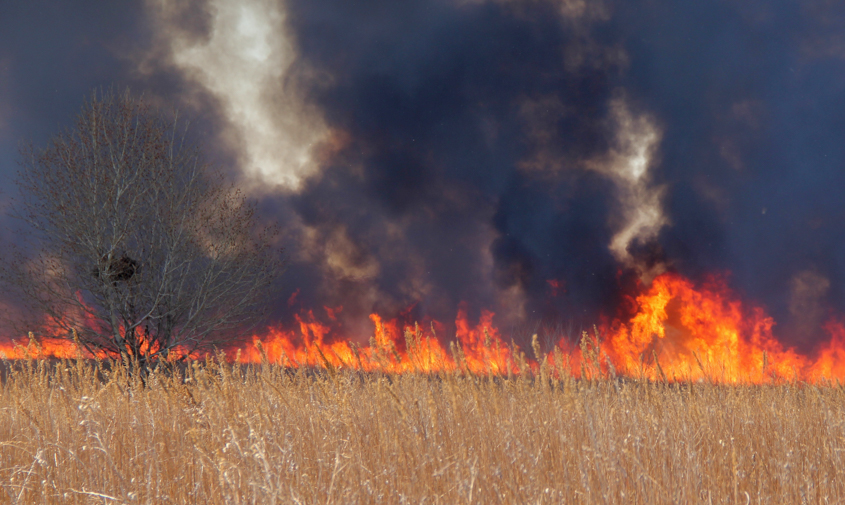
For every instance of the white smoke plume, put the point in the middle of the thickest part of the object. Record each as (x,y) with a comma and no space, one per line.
(640,215)
(245,61)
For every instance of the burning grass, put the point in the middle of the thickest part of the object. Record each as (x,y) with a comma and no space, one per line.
(673,330)
(212,432)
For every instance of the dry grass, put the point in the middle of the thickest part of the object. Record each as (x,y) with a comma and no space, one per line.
(222,434)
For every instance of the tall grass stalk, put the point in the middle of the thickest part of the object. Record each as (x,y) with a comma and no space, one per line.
(212,432)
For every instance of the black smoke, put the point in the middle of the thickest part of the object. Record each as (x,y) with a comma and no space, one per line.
(443,99)
(442,104)
(460,133)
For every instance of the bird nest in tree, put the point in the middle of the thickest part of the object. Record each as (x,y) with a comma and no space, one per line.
(116,270)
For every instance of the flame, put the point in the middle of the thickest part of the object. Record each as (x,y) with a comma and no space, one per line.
(683,332)
(73,348)
(831,360)
(674,330)
(394,347)
(46,348)
(677,331)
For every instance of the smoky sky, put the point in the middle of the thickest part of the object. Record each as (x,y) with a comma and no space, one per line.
(433,97)
(469,151)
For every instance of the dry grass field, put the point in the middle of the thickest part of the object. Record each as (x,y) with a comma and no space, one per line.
(75,432)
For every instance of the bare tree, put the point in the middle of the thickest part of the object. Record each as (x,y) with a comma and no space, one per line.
(141,248)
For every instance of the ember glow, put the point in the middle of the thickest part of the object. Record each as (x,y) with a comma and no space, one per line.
(675,331)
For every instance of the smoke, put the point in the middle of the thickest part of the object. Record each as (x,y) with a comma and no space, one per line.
(428,153)
(581,11)
(407,139)
(5,105)
(240,53)
(640,214)
(532,157)
(460,172)
(807,291)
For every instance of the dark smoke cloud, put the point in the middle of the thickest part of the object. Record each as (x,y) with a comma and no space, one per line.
(51,55)
(54,54)
(752,97)
(477,150)
(442,105)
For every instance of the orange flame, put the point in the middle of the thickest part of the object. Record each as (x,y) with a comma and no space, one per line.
(831,360)
(43,348)
(677,332)
(393,347)
(686,333)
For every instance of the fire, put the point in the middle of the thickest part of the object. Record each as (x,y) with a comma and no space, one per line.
(50,347)
(394,347)
(685,332)
(675,330)
(692,333)
(831,360)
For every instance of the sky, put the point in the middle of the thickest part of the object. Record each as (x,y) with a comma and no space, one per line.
(537,158)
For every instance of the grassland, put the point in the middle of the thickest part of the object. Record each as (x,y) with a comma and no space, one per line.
(78,432)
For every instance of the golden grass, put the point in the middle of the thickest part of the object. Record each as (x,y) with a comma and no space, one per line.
(259,434)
